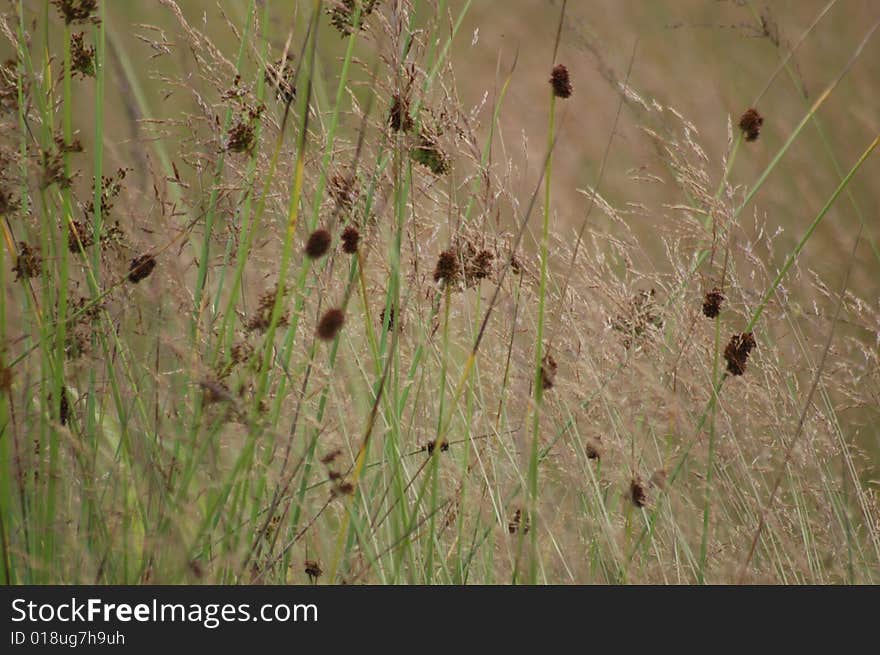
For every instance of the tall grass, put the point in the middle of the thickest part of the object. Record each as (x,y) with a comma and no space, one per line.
(314,333)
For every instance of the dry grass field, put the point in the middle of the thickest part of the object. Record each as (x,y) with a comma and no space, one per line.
(439,292)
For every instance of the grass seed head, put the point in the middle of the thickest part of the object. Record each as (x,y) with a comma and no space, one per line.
(330,324)
(560,81)
(737,352)
(712,303)
(350,239)
(637,493)
(318,243)
(750,123)
(29,263)
(141,267)
(447,268)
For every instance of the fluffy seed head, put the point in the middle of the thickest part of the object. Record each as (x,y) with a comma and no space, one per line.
(560,81)
(712,303)
(350,239)
(737,352)
(330,324)
(750,123)
(141,267)
(318,243)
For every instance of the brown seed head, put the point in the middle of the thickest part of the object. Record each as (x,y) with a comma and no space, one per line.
(712,303)
(560,81)
(318,243)
(548,372)
(737,352)
(637,493)
(447,268)
(750,123)
(330,324)
(29,262)
(141,267)
(313,570)
(350,239)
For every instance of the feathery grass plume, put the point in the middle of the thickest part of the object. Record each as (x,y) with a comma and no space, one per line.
(141,267)
(29,263)
(447,268)
(330,324)
(318,243)
(281,76)
(350,239)
(638,496)
(737,352)
(750,124)
(560,81)
(77,11)
(641,315)
(82,56)
(712,303)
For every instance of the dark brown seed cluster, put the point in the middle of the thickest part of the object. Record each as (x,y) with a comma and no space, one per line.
(350,239)
(313,570)
(330,457)
(592,450)
(141,267)
(281,76)
(330,324)
(398,117)
(447,268)
(391,318)
(548,372)
(517,523)
(215,391)
(53,171)
(111,187)
(64,406)
(750,123)
(712,303)
(737,352)
(342,14)
(343,190)
(77,11)
(478,267)
(82,56)
(318,243)
(259,321)
(431,445)
(242,351)
(79,236)
(29,262)
(240,137)
(637,494)
(560,81)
